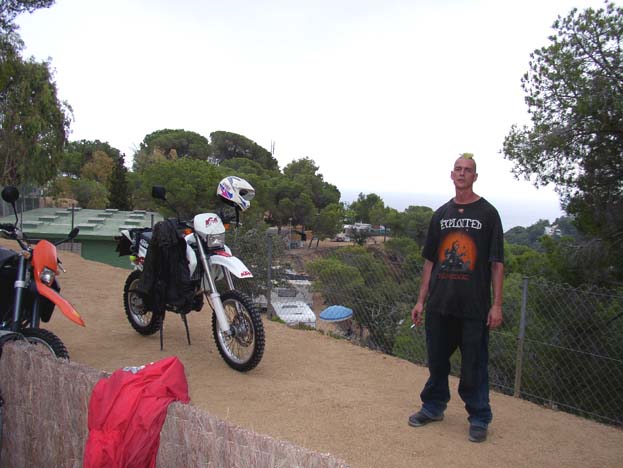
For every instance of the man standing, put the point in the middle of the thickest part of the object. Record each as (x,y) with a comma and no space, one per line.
(464,259)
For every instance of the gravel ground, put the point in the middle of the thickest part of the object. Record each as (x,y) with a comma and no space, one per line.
(325,394)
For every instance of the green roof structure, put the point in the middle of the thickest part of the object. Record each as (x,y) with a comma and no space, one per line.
(98,228)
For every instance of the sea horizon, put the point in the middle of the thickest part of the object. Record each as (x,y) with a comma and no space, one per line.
(513,212)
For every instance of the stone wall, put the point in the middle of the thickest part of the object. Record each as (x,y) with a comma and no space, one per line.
(44,423)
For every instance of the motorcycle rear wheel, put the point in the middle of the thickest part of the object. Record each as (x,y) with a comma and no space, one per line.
(142,320)
(243,350)
(46,339)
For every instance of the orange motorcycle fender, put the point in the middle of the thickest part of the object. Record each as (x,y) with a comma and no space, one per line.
(66,308)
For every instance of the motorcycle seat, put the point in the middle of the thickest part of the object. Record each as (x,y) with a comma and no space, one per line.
(146,236)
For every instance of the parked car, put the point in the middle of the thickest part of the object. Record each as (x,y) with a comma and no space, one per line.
(295,313)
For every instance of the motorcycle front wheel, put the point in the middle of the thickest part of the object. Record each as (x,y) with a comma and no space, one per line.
(142,320)
(47,340)
(242,350)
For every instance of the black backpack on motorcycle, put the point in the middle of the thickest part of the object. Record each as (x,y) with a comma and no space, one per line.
(166,276)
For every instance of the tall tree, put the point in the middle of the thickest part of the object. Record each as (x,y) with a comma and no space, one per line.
(78,153)
(143,159)
(364,205)
(415,221)
(119,197)
(191,187)
(574,93)
(301,167)
(33,122)
(10,9)
(286,202)
(305,171)
(99,168)
(227,145)
(89,193)
(328,222)
(177,144)
(167,144)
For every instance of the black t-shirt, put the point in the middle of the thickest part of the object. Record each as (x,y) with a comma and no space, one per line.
(462,242)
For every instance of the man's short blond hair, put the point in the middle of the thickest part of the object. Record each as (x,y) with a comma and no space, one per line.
(468,156)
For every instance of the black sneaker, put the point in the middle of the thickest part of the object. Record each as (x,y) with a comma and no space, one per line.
(477,433)
(421,419)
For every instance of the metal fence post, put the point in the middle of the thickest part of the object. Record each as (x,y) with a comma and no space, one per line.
(21,210)
(269,268)
(521,338)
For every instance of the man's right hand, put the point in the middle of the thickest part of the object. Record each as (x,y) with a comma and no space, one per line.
(417,314)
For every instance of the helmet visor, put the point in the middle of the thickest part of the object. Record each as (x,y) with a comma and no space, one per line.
(248,195)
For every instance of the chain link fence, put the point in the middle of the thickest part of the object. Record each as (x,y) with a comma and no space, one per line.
(560,346)
(23,205)
(29,199)
(569,349)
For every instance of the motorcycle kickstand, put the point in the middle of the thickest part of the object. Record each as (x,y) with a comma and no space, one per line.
(161,338)
(186,325)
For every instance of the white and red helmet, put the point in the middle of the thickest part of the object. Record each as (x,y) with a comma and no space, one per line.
(236,192)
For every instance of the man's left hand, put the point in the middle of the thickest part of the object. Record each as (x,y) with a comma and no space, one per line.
(494,319)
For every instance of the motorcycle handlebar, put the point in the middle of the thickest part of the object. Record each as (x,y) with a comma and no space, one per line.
(183,224)
(13,232)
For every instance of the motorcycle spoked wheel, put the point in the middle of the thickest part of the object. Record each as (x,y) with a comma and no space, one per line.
(242,350)
(46,339)
(142,320)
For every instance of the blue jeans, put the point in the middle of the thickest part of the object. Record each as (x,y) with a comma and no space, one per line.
(444,334)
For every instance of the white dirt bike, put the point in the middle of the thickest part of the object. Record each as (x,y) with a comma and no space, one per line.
(236,322)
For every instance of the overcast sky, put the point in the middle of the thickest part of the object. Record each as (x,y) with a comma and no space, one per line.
(382,95)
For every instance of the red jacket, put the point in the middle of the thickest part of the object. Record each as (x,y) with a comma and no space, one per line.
(127,411)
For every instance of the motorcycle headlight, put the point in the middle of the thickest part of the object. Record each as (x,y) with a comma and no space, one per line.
(47,276)
(215,241)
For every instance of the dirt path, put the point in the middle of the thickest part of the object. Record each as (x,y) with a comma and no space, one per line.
(325,394)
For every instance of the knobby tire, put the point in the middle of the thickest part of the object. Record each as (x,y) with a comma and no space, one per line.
(143,321)
(39,336)
(250,315)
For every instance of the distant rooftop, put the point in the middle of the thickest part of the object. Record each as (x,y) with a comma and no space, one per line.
(93,224)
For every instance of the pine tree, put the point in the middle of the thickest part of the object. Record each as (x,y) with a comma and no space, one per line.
(119,197)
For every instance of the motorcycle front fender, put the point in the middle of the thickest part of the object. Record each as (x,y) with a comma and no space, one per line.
(231,263)
(59,301)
